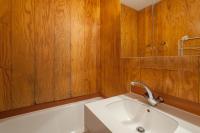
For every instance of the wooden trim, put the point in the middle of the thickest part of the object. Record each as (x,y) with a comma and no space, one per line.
(29,109)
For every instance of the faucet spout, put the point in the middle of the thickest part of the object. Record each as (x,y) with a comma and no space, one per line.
(151,100)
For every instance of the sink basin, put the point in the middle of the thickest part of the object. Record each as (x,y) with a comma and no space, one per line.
(139,117)
(128,114)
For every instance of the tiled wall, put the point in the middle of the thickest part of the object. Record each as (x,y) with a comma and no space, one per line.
(173,76)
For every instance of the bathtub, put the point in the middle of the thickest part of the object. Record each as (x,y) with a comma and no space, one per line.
(67,118)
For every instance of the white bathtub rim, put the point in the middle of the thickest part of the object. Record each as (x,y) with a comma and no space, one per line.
(54,108)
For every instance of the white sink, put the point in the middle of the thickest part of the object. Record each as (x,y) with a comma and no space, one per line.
(133,114)
(123,114)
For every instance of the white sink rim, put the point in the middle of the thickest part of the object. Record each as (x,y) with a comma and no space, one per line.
(99,110)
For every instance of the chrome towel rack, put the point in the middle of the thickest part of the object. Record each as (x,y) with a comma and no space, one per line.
(181,44)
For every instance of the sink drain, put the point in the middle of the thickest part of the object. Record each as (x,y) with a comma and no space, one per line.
(140,129)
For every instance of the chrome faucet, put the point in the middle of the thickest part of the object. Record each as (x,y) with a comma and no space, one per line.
(151,100)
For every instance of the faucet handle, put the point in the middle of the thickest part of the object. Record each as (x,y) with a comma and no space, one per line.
(160,99)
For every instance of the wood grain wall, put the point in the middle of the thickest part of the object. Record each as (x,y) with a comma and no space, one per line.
(53,50)
(129,32)
(110,47)
(145,33)
(174,78)
(177,79)
(49,50)
(173,20)
(5,58)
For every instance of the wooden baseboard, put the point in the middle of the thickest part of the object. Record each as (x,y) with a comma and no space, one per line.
(29,109)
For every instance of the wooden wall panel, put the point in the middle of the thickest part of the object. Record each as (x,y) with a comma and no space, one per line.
(129,32)
(173,20)
(5,90)
(150,72)
(174,24)
(23,61)
(129,71)
(44,43)
(190,79)
(62,58)
(176,77)
(190,86)
(92,42)
(5,27)
(79,71)
(145,36)
(5,55)
(110,47)
(162,31)
(55,51)
(84,39)
(153,78)
(171,82)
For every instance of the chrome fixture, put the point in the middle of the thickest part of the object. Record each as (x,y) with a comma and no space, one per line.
(151,100)
(140,129)
(182,42)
